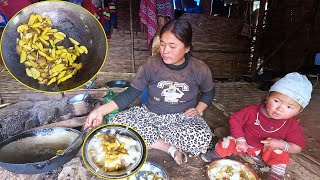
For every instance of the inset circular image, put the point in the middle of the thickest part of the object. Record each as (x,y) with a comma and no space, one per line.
(53,46)
(114,151)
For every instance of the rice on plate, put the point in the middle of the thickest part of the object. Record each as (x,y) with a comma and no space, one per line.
(114,151)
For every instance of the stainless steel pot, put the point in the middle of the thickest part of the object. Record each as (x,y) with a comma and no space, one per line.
(80,104)
(70,19)
(34,152)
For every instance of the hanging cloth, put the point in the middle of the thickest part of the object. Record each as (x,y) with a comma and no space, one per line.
(93,8)
(246,29)
(165,8)
(148,18)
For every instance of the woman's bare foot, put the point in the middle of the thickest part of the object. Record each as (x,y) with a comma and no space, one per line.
(179,157)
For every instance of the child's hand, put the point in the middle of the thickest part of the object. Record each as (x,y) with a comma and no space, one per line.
(272,144)
(242,146)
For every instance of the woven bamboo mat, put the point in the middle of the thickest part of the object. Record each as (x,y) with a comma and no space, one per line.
(232,96)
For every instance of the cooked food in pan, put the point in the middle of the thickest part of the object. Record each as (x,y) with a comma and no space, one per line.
(40,50)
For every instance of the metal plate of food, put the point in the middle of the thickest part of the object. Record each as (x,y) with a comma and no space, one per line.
(114,151)
(230,169)
(150,170)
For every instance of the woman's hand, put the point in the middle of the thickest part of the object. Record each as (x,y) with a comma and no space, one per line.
(273,144)
(196,111)
(192,112)
(94,119)
(242,146)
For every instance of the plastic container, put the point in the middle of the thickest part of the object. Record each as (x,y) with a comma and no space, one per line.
(107,99)
(3,20)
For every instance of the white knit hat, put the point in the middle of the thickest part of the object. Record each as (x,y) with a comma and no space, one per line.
(295,86)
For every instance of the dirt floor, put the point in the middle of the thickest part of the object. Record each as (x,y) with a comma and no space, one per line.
(230,97)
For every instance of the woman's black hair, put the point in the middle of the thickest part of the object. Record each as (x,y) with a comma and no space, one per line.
(181,29)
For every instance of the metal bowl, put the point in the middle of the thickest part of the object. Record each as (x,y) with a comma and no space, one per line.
(216,170)
(152,168)
(75,22)
(121,130)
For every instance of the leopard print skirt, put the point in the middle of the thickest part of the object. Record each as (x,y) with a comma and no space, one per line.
(190,134)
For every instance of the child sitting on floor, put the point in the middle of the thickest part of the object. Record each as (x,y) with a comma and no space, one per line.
(269,129)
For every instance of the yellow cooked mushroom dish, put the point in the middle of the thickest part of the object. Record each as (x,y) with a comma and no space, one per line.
(41,51)
(112,152)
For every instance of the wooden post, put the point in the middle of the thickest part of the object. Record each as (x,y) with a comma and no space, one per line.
(258,43)
(1,31)
(132,39)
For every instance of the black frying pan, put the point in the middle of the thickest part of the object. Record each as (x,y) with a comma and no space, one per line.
(34,152)
(117,83)
(70,19)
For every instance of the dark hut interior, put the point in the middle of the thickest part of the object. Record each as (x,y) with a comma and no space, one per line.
(248,45)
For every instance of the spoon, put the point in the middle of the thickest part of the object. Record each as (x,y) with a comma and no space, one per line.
(88,88)
(73,142)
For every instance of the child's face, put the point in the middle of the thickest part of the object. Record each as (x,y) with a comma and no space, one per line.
(280,106)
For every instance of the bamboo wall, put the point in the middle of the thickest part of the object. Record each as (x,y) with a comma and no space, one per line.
(216,41)
(295,21)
